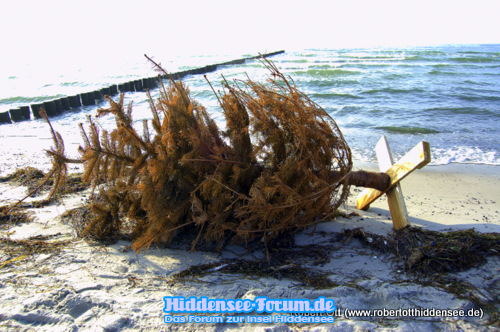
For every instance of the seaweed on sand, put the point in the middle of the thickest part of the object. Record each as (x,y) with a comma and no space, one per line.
(430,253)
(428,257)
(417,251)
(285,261)
(26,176)
(280,165)
(81,217)
(10,216)
(17,250)
(431,257)
(262,268)
(37,181)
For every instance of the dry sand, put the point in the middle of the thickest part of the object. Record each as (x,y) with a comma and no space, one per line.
(88,287)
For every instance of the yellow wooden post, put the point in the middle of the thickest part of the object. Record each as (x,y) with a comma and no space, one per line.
(417,158)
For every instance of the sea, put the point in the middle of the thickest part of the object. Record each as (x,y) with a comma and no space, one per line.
(447,95)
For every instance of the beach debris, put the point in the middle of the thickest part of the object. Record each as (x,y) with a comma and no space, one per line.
(431,257)
(429,252)
(23,176)
(11,216)
(283,263)
(81,219)
(37,182)
(281,164)
(263,269)
(22,249)
(426,257)
(26,176)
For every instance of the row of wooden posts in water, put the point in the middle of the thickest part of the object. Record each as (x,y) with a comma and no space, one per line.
(58,106)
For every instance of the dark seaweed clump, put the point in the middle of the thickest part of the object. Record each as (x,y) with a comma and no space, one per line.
(14,251)
(282,263)
(27,176)
(11,216)
(428,253)
(37,182)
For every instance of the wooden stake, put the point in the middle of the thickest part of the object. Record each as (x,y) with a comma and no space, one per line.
(417,158)
(395,197)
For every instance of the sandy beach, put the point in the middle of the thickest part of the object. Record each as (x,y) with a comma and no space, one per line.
(86,286)
(225,120)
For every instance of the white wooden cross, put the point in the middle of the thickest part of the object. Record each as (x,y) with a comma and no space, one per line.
(417,158)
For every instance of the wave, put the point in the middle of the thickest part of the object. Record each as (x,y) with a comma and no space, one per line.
(298,61)
(327,73)
(307,55)
(452,70)
(475,60)
(455,155)
(394,76)
(408,130)
(346,110)
(471,52)
(442,65)
(476,98)
(367,66)
(423,56)
(205,94)
(321,83)
(70,84)
(441,72)
(460,111)
(418,58)
(464,155)
(391,91)
(336,95)
(27,100)
(477,83)
(320,66)
(375,57)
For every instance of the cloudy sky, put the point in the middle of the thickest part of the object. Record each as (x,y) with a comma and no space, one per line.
(101,28)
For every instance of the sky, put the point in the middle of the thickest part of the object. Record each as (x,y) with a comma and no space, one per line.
(61,29)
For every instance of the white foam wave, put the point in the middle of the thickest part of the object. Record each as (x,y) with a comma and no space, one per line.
(455,155)
(464,155)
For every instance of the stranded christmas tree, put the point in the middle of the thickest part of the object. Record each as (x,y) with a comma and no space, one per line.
(280,165)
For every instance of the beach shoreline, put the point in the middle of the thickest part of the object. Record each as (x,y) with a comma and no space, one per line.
(88,287)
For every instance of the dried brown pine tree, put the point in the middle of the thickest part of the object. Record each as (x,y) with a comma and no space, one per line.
(280,165)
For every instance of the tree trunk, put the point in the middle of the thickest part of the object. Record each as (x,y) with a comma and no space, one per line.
(375,180)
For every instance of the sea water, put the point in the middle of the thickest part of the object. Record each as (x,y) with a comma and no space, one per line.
(447,95)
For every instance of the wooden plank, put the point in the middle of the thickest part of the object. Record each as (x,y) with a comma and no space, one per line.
(417,158)
(384,155)
(395,197)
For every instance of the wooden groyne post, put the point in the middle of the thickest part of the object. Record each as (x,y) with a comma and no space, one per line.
(58,106)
